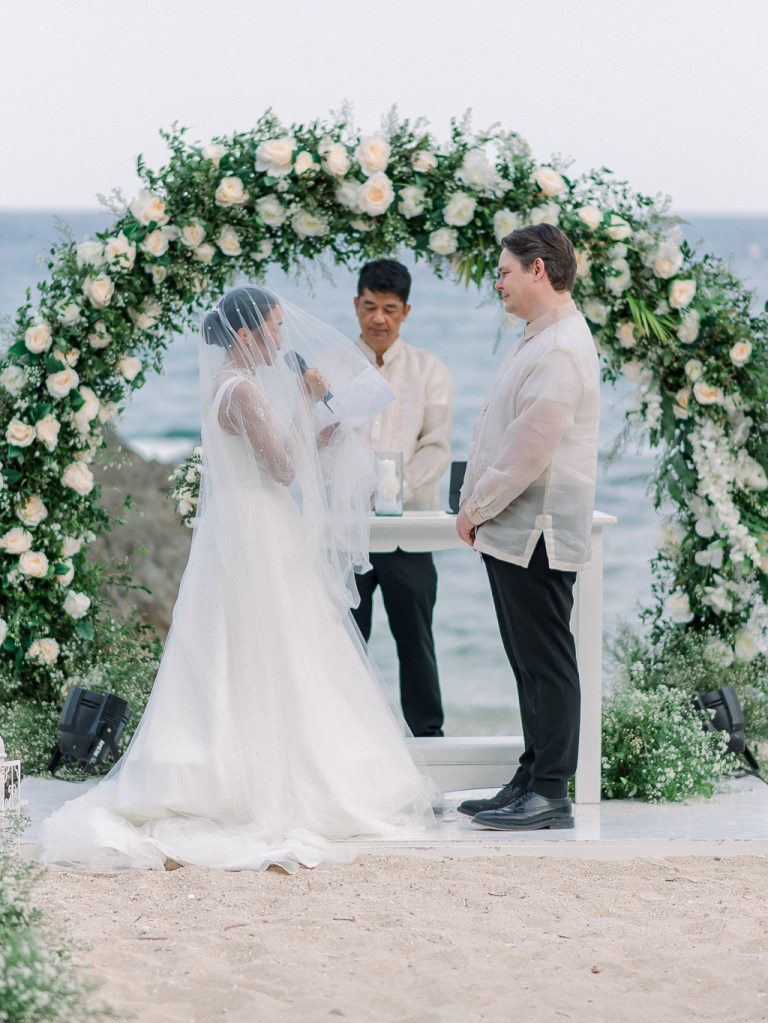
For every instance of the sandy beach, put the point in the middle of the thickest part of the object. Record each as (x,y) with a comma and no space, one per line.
(416,940)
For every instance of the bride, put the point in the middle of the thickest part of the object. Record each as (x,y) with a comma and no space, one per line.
(267,736)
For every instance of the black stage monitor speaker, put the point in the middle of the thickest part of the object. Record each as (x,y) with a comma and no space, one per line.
(454,486)
(724,714)
(91,725)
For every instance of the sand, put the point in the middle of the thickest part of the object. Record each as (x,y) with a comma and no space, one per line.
(398,938)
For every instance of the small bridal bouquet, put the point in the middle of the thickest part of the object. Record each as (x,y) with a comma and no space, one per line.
(186,486)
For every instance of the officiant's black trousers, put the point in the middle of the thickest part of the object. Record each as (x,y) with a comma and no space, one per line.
(533,608)
(408,584)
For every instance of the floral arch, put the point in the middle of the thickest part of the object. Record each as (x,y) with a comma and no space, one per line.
(678,325)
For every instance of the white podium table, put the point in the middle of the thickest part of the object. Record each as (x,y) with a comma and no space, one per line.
(472,762)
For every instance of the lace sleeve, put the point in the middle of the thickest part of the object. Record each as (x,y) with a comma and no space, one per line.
(243,410)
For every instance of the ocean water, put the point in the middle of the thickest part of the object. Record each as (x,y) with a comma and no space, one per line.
(461,326)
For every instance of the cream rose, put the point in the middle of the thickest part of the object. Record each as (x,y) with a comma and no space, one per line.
(741,352)
(373,154)
(444,241)
(303,163)
(149,208)
(688,330)
(129,367)
(694,369)
(620,278)
(617,228)
(745,648)
(204,253)
(347,195)
(76,604)
(308,225)
(47,431)
(193,234)
(12,379)
(70,546)
(231,192)
(667,260)
(68,313)
(682,399)
(99,290)
(707,394)
(376,195)
(423,161)
(264,250)
(214,153)
(157,273)
(549,181)
(549,213)
(681,293)
(271,210)
(32,512)
(88,411)
(65,578)
(583,264)
(626,334)
(155,243)
(275,157)
(20,434)
(718,651)
(476,172)
(33,564)
(504,223)
(16,540)
(590,216)
(38,338)
(147,315)
(78,477)
(411,201)
(229,241)
(43,651)
(119,252)
(459,210)
(336,160)
(596,311)
(90,253)
(3,630)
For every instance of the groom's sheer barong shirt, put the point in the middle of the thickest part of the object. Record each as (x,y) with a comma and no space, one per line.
(533,457)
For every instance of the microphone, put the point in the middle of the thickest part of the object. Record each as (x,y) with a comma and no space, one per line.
(299,365)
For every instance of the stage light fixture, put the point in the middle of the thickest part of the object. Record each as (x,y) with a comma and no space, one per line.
(91,725)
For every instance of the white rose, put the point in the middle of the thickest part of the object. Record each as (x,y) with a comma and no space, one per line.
(65,578)
(229,241)
(303,163)
(271,210)
(12,379)
(19,434)
(119,252)
(155,244)
(108,412)
(617,228)
(597,312)
(348,194)
(192,234)
(157,273)
(308,225)
(411,201)
(99,290)
(38,338)
(678,607)
(741,352)
(16,540)
(336,160)
(626,334)
(459,210)
(667,260)
(376,195)
(745,647)
(43,651)
(231,192)
(423,161)
(590,216)
(32,512)
(70,546)
(149,208)
(707,394)
(76,604)
(373,154)
(68,313)
(621,278)
(583,264)
(549,213)
(33,564)
(214,153)
(681,293)
(549,181)
(3,630)
(476,172)
(90,253)
(718,651)
(264,250)
(275,157)
(129,367)
(688,330)
(694,369)
(88,411)
(682,398)
(47,431)
(444,241)
(204,253)
(78,477)
(147,315)
(504,223)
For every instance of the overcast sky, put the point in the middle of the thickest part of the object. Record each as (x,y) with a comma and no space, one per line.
(670,94)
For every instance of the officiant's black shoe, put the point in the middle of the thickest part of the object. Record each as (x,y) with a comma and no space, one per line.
(503,797)
(528,812)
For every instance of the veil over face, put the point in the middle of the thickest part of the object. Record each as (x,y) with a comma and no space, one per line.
(273,382)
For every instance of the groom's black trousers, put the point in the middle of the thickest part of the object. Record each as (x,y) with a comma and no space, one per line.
(533,608)
(408,584)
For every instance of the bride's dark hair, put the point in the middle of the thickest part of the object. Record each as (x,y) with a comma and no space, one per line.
(245,306)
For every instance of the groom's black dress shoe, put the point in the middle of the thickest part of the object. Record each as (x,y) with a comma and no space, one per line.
(528,813)
(503,797)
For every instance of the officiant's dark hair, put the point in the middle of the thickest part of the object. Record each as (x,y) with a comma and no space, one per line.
(246,306)
(385,275)
(548,243)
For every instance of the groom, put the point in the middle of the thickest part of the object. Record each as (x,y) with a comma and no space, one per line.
(527,504)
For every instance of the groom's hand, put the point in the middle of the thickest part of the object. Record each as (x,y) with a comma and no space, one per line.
(465,528)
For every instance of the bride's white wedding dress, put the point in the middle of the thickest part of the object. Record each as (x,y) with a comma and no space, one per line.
(267,735)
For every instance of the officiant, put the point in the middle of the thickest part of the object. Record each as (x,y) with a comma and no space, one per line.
(418,424)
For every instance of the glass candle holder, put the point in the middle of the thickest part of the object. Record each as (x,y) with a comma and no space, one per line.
(389,487)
